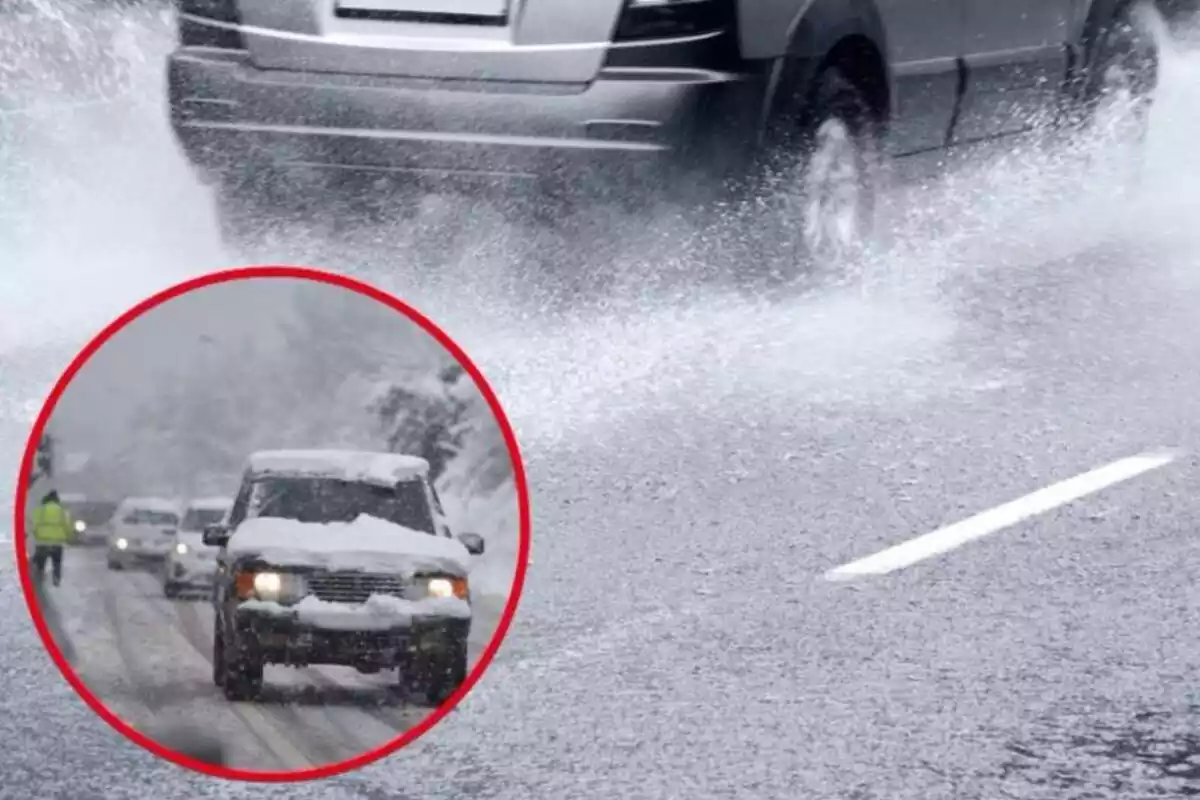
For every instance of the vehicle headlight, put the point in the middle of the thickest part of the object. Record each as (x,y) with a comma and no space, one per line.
(80,526)
(278,587)
(446,587)
(181,549)
(122,544)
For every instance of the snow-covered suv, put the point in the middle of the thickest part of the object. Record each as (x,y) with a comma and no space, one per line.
(331,557)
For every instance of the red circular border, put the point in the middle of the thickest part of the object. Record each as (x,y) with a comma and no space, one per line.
(319,276)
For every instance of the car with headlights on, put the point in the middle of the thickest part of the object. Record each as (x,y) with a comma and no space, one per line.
(190,563)
(345,558)
(93,518)
(143,532)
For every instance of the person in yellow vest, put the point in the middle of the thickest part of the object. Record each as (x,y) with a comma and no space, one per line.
(52,529)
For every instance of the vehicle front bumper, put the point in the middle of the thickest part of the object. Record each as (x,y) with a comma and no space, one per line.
(137,556)
(629,123)
(282,639)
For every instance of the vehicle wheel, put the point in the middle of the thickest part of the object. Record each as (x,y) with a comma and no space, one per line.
(171,590)
(438,678)
(218,655)
(242,677)
(819,178)
(1117,93)
(115,565)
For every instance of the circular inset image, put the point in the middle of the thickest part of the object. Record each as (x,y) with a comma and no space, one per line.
(274,524)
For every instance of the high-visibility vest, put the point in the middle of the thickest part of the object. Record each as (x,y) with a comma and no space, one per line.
(51,524)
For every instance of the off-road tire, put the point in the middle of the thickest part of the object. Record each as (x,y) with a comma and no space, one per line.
(239,675)
(438,678)
(218,655)
(1124,48)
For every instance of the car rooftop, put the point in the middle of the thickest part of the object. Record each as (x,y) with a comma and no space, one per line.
(385,469)
(151,504)
(210,503)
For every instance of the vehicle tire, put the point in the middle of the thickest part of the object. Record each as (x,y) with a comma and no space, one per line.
(1116,92)
(115,566)
(440,677)
(818,179)
(243,675)
(170,590)
(218,655)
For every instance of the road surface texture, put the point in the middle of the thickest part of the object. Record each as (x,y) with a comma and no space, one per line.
(148,659)
(702,462)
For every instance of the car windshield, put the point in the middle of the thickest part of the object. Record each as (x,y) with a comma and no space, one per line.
(328,500)
(144,516)
(197,519)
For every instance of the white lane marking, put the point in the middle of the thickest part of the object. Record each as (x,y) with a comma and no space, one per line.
(1003,516)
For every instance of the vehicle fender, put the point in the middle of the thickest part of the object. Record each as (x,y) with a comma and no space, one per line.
(1093,16)
(770,29)
(811,35)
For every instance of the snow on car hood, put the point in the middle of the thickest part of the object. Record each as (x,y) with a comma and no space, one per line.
(380,612)
(366,544)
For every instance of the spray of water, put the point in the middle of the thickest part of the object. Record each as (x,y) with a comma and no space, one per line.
(106,206)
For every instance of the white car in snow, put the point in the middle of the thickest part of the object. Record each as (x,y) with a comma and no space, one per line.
(333,557)
(190,563)
(143,532)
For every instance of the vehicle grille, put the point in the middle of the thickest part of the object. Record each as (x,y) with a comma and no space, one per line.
(353,587)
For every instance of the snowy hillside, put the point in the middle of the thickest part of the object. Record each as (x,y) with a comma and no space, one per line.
(446,420)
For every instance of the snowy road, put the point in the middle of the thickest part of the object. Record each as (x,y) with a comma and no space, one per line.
(147,658)
(699,463)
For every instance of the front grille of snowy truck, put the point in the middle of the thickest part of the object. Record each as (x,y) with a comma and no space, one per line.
(353,587)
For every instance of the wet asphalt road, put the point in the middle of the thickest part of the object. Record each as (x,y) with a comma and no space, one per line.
(677,638)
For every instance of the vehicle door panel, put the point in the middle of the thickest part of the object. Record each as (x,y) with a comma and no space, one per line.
(924,38)
(1016,58)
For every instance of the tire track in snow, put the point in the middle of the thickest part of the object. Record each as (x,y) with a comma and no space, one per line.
(392,722)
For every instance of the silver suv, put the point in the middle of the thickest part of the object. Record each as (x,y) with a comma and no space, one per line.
(646,92)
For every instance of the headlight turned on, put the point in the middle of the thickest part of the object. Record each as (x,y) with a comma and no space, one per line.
(278,587)
(447,587)
(80,526)
(122,544)
(181,549)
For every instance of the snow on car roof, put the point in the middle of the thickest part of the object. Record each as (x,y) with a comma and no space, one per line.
(367,544)
(210,503)
(151,504)
(387,469)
